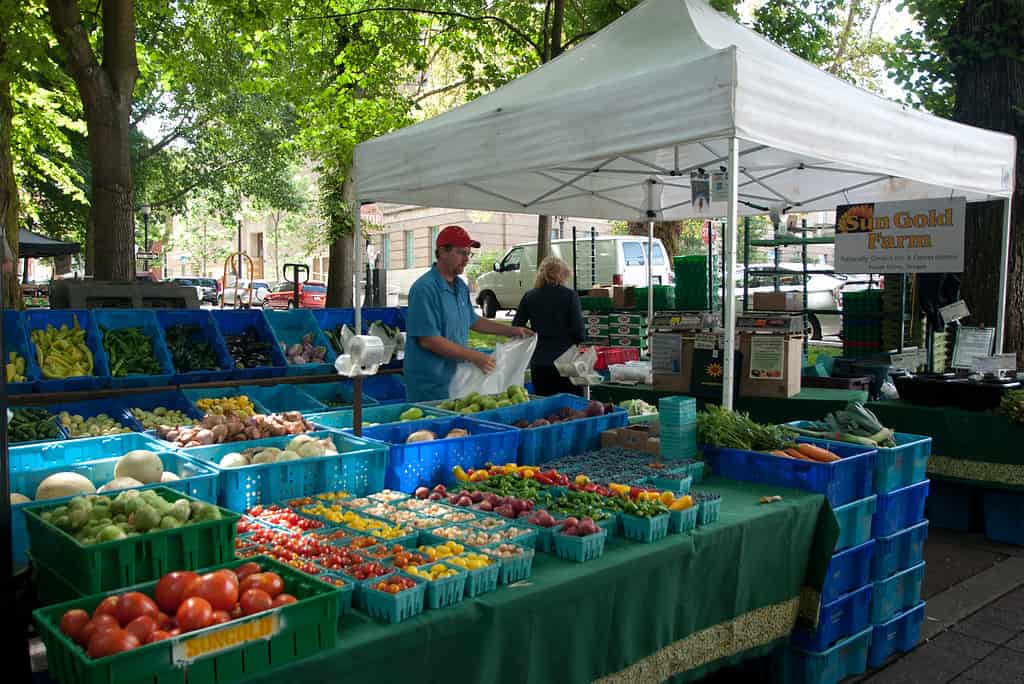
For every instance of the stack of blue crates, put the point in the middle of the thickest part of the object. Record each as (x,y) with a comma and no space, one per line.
(870,603)
(678,418)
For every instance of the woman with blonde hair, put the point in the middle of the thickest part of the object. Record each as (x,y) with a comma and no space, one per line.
(553,311)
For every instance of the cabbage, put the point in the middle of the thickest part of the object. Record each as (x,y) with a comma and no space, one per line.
(421,436)
(265,456)
(311,449)
(141,465)
(287,456)
(64,484)
(233,460)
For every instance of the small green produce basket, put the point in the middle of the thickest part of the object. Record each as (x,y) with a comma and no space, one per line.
(642,529)
(394,608)
(515,569)
(483,580)
(258,643)
(94,568)
(580,549)
(445,592)
(683,521)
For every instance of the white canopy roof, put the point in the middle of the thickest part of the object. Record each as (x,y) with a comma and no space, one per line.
(657,94)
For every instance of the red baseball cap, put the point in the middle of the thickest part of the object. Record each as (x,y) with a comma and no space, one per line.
(455,236)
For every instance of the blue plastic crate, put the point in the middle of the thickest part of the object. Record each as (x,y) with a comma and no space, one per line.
(899,551)
(358,468)
(896,593)
(289,327)
(394,608)
(895,467)
(61,432)
(241,321)
(16,340)
(847,658)
(1004,511)
(446,592)
(336,396)
(541,444)
(208,332)
(194,395)
(333,318)
(899,509)
(341,419)
(40,319)
(645,530)
(580,549)
(682,521)
(95,458)
(847,570)
(385,388)
(950,505)
(395,316)
(848,479)
(898,634)
(848,614)
(171,400)
(282,398)
(117,319)
(430,463)
(855,522)
(113,408)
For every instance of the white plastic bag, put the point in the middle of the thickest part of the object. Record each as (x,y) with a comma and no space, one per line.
(511,360)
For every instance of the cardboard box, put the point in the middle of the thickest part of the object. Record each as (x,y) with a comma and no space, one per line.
(627,331)
(635,438)
(605,292)
(770,365)
(623,297)
(597,331)
(595,320)
(618,318)
(596,341)
(636,342)
(778,301)
(672,361)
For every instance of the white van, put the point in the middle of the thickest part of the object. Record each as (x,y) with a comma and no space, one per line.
(613,259)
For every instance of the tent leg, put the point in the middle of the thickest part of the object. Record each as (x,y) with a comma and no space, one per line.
(357,249)
(1004,266)
(650,275)
(729,306)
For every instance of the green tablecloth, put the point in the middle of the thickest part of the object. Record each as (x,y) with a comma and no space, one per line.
(811,403)
(642,612)
(981,448)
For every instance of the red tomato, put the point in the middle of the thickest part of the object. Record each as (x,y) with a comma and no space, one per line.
(255,601)
(164,621)
(110,642)
(220,588)
(173,588)
(142,627)
(100,623)
(235,612)
(246,569)
(134,604)
(108,606)
(72,623)
(269,582)
(158,635)
(220,617)
(284,599)
(194,613)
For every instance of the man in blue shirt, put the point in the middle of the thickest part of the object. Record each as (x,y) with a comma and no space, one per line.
(440,318)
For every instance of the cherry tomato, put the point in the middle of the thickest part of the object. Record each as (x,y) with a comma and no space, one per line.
(235,612)
(173,588)
(108,606)
(220,588)
(269,582)
(72,623)
(194,613)
(134,604)
(164,621)
(283,599)
(220,617)
(246,569)
(110,642)
(158,635)
(100,623)
(142,627)
(255,601)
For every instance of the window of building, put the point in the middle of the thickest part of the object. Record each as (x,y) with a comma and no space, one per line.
(385,249)
(434,230)
(409,249)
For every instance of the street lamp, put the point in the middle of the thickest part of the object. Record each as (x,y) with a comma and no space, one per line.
(146,210)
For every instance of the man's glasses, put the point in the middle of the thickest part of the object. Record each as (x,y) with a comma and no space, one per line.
(462,251)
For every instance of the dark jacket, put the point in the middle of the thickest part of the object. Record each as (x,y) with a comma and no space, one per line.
(554,313)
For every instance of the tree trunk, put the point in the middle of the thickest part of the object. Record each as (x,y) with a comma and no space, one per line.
(342,255)
(106,92)
(990,94)
(90,245)
(8,193)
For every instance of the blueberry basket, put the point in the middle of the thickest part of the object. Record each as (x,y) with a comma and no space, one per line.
(683,521)
(16,342)
(898,551)
(678,485)
(514,569)
(207,332)
(289,327)
(446,592)
(848,479)
(253,324)
(118,319)
(394,608)
(848,570)
(898,634)
(645,530)
(708,509)
(357,468)
(580,549)
(848,614)
(39,320)
(899,509)
(896,593)
(429,463)
(855,522)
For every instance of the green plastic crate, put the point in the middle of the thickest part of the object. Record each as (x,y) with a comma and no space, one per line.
(143,558)
(664,298)
(293,632)
(596,303)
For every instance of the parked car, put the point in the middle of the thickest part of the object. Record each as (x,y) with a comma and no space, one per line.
(312,295)
(206,288)
(614,259)
(260,289)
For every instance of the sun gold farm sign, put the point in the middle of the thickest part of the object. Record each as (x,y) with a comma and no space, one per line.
(918,236)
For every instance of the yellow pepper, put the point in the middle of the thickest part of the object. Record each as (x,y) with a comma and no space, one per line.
(460,474)
(582,480)
(667,498)
(478,476)
(682,503)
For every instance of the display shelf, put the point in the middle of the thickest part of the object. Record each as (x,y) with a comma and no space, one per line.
(790,241)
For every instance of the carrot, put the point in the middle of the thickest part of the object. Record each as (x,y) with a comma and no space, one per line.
(793,453)
(777,452)
(817,453)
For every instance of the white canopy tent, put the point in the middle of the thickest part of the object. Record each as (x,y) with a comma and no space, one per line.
(614,127)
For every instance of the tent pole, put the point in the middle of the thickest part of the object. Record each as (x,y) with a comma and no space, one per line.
(357,244)
(1004,267)
(729,307)
(650,252)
